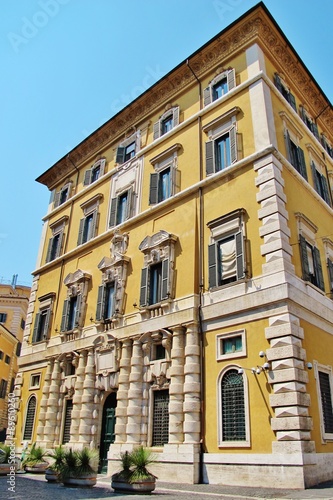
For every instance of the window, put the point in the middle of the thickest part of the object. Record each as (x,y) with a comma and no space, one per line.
(160,434)
(284,90)
(55,242)
(95,172)
(69,368)
(311,264)
(309,122)
(30,419)
(168,121)
(158,352)
(70,314)
(330,273)
(121,208)
(231,345)
(88,224)
(61,196)
(7,359)
(326,145)
(3,388)
(67,421)
(18,349)
(219,86)
(22,324)
(165,181)
(3,317)
(157,275)
(1,355)
(128,148)
(42,319)
(105,301)
(295,156)
(320,184)
(323,375)
(74,305)
(233,411)
(226,252)
(34,380)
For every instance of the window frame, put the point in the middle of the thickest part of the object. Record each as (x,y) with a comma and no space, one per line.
(88,225)
(41,329)
(58,196)
(173,115)
(153,417)
(168,160)
(32,418)
(115,207)
(33,386)
(122,154)
(284,90)
(326,436)
(208,92)
(309,122)
(90,173)
(295,154)
(104,314)
(3,388)
(320,183)
(55,244)
(220,355)
(316,278)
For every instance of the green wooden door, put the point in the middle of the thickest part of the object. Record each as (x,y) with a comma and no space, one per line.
(108,425)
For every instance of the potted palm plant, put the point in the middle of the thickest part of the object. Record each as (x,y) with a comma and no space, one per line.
(79,467)
(34,460)
(134,475)
(4,459)
(53,470)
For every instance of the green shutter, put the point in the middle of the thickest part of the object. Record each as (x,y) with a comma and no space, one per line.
(301,162)
(318,269)
(240,264)
(176,116)
(46,325)
(314,129)
(129,203)
(153,192)
(165,279)
(81,228)
(120,156)
(304,259)
(330,273)
(231,79)
(100,303)
(303,114)
(60,243)
(93,225)
(288,146)
(64,318)
(210,163)
(277,81)
(233,145)
(36,328)
(207,96)
(113,212)
(49,250)
(144,287)
(78,310)
(326,192)
(314,177)
(56,199)
(157,130)
(292,101)
(212,266)
(87,177)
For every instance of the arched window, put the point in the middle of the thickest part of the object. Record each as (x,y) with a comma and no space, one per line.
(233,424)
(30,419)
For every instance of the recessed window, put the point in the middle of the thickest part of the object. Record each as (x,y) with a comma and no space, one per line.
(7,359)
(30,418)
(324,381)
(1,355)
(295,155)
(128,148)
(168,121)
(160,434)
(284,90)
(233,407)
(22,324)
(105,301)
(3,388)
(41,327)
(95,172)
(219,86)
(231,345)
(311,263)
(158,352)
(67,421)
(69,368)
(35,380)
(3,317)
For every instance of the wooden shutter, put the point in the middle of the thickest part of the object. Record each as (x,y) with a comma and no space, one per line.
(129,203)
(153,192)
(78,310)
(314,177)
(277,81)
(302,164)
(56,199)
(314,129)
(330,273)
(81,228)
(157,130)
(49,250)
(46,324)
(303,114)
(288,146)
(36,327)
(93,225)
(113,212)
(231,79)
(292,101)
(60,243)
(326,193)
(64,318)
(210,162)
(240,262)
(165,279)
(212,265)
(207,96)
(318,269)
(102,166)
(87,177)
(233,145)
(120,156)
(100,303)
(144,286)
(326,401)
(176,116)
(304,259)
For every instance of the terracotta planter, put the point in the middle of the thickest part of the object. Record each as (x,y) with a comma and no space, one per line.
(86,480)
(5,469)
(144,486)
(38,468)
(51,475)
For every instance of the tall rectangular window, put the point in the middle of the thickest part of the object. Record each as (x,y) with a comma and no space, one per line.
(295,156)
(3,388)
(221,152)
(41,326)
(67,421)
(219,86)
(71,313)
(3,317)
(324,385)
(311,263)
(105,301)
(155,283)
(160,435)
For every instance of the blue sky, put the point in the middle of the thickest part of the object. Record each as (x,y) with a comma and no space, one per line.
(67,66)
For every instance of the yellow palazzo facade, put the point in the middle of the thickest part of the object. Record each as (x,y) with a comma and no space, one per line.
(183,296)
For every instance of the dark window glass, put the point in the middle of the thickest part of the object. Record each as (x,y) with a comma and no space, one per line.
(122,207)
(159,351)
(95,173)
(222,152)
(233,407)
(109,300)
(63,196)
(3,317)
(68,421)
(160,418)
(87,230)
(130,151)
(167,124)
(164,188)
(7,359)
(155,283)
(220,88)
(72,313)
(326,401)
(30,418)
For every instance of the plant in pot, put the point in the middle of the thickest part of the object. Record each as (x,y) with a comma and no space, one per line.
(34,460)
(79,467)
(53,470)
(134,475)
(5,465)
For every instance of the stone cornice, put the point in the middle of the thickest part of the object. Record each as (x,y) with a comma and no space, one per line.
(255,26)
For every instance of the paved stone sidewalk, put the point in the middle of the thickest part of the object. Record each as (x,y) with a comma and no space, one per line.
(34,487)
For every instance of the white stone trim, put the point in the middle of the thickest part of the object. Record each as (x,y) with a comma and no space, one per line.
(224,336)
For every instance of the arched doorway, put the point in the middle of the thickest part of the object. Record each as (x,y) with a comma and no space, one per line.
(107,433)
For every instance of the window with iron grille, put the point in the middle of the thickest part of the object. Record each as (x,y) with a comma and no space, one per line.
(3,388)
(326,401)
(233,407)
(160,418)
(68,420)
(30,419)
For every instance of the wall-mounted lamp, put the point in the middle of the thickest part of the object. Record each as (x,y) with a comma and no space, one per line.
(309,366)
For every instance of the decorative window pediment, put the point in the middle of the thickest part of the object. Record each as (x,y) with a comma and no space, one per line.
(75,303)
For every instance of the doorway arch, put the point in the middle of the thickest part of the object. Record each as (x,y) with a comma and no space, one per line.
(107,432)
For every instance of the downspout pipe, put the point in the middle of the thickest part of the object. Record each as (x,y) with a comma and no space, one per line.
(200,280)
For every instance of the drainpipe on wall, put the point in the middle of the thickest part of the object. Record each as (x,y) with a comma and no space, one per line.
(200,280)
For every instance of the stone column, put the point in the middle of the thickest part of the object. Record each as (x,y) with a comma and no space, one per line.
(134,409)
(41,436)
(176,389)
(88,396)
(192,404)
(52,406)
(122,393)
(77,398)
